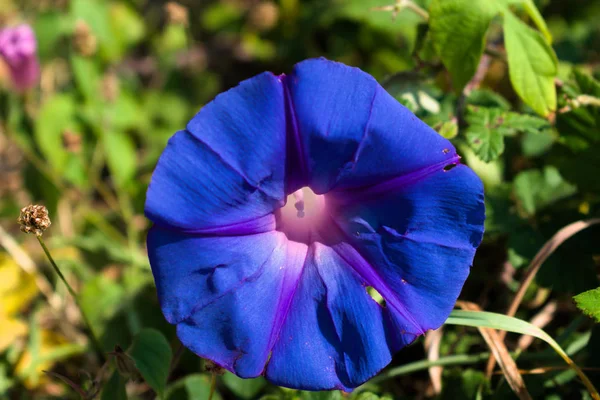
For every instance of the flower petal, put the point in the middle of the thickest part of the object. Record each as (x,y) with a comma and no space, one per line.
(241,301)
(415,243)
(228,166)
(335,335)
(353,133)
(206,268)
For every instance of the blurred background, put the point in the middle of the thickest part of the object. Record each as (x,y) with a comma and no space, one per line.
(119,77)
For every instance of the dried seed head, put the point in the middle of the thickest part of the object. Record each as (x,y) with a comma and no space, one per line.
(213,368)
(34,219)
(84,41)
(176,14)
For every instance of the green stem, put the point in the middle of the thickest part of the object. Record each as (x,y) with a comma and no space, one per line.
(93,339)
(213,385)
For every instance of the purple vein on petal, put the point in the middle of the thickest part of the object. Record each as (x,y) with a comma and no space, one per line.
(360,146)
(363,268)
(291,280)
(295,145)
(355,195)
(335,328)
(255,186)
(248,278)
(266,223)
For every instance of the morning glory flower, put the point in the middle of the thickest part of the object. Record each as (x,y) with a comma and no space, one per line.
(283,201)
(18,48)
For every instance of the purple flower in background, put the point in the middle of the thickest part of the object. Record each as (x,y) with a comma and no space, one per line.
(18,48)
(283,201)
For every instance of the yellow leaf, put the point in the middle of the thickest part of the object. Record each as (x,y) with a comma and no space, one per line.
(11,330)
(17,288)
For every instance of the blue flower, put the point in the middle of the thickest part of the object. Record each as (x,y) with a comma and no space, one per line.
(283,201)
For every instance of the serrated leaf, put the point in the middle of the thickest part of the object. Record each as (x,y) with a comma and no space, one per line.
(532,65)
(524,122)
(536,189)
(488,126)
(487,98)
(458,30)
(589,303)
(152,355)
(484,134)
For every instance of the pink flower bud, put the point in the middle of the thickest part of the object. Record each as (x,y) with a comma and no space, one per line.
(18,48)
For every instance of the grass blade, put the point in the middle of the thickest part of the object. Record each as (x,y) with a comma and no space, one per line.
(484,319)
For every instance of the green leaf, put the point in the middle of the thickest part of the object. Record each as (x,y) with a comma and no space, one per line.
(536,189)
(114,389)
(192,387)
(101,298)
(488,126)
(458,384)
(243,388)
(126,24)
(49,28)
(152,356)
(589,303)
(583,168)
(449,129)
(56,115)
(366,13)
(332,395)
(484,134)
(121,157)
(534,14)
(458,30)
(524,123)
(532,65)
(86,76)
(488,98)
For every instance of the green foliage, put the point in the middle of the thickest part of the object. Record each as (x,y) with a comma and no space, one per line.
(488,127)
(243,388)
(114,389)
(536,189)
(469,384)
(458,31)
(532,65)
(589,303)
(513,84)
(192,387)
(152,355)
(121,157)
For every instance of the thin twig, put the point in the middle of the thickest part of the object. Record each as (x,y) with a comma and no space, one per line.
(92,336)
(401,4)
(433,339)
(499,350)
